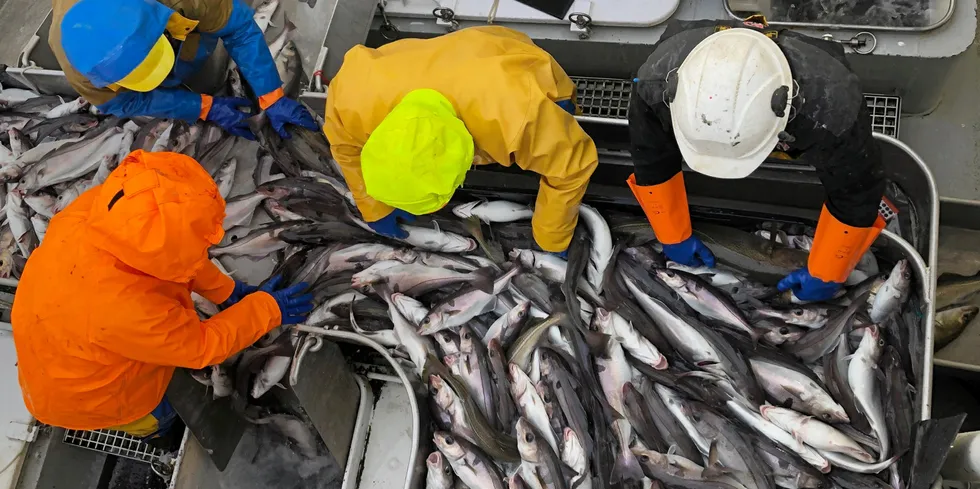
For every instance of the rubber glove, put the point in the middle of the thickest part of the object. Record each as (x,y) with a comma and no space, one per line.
(388,225)
(241,290)
(560,254)
(225,112)
(288,111)
(294,305)
(691,252)
(808,288)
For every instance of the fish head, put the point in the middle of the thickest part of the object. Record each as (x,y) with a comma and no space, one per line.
(6,263)
(967,313)
(435,461)
(447,342)
(516,482)
(779,332)
(521,310)
(670,277)
(441,392)
(447,444)
(527,441)
(649,457)
(432,322)
(525,257)
(464,211)
(272,191)
(404,255)
(833,413)
(902,273)
(518,380)
(466,339)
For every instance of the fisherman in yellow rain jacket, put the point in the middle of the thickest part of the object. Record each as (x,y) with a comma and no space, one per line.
(406,122)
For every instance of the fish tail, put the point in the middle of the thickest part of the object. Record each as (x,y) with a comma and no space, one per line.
(626,467)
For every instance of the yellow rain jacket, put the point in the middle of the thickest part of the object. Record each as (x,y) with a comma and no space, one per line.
(504,89)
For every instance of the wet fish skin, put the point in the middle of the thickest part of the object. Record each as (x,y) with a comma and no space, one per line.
(20,223)
(641,420)
(225,177)
(536,451)
(476,372)
(504,404)
(263,13)
(239,210)
(289,68)
(777,332)
(706,300)
(602,246)
(494,211)
(259,243)
(896,393)
(614,374)
(530,405)
(893,293)
(415,278)
(954,289)
(520,352)
(781,437)
(473,467)
(656,466)
(862,377)
(614,325)
(951,322)
(464,305)
(573,454)
(508,326)
(790,384)
(814,433)
(815,344)
(555,371)
(439,474)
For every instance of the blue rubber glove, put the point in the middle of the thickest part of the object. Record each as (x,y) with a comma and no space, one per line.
(808,288)
(560,254)
(691,252)
(288,111)
(388,225)
(225,113)
(294,305)
(240,291)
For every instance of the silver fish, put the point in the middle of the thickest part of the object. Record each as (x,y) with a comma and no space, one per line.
(738,287)
(280,213)
(601,252)
(494,211)
(464,305)
(67,108)
(272,372)
(418,347)
(470,464)
(450,402)
(239,210)
(359,255)
(163,141)
(19,143)
(785,384)
(436,240)
(508,326)
(614,374)
(221,381)
(893,294)
(72,161)
(814,432)
(415,278)
(550,266)
(475,369)
(73,191)
(43,204)
(862,376)
(275,47)
(415,312)
(40,225)
(263,13)
(259,243)
(810,316)
(20,223)
(706,300)
(225,177)
(614,325)
(540,457)
(776,434)
(573,454)
(530,404)
(439,474)
(288,66)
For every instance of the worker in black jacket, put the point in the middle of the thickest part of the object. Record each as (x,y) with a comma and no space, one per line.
(722,98)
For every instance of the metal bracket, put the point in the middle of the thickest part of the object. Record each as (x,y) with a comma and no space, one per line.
(22,431)
(581,24)
(862,43)
(387,29)
(445,16)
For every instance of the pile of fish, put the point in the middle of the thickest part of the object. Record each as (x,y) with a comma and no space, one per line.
(955,307)
(615,368)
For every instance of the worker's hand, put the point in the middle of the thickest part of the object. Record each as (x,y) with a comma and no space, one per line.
(691,252)
(560,254)
(226,112)
(388,225)
(240,291)
(808,288)
(294,305)
(288,111)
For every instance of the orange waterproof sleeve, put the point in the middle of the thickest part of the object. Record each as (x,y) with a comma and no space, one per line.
(212,284)
(666,208)
(555,146)
(837,247)
(161,331)
(347,152)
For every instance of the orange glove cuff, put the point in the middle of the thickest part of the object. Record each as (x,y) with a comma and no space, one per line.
(270,98)
(206,101)
(837,247)
(666,208)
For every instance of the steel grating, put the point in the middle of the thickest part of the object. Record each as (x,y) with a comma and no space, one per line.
(114,443)
(885,111)
(609,98)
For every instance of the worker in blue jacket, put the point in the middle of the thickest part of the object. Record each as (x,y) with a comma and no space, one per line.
(129,58)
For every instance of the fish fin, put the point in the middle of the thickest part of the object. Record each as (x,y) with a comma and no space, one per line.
(279,385)
(800,393)
(435,226)
(598,343)
(483,279)
(626,468)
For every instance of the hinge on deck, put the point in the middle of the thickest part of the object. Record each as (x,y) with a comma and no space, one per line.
(581,24)
(22,431)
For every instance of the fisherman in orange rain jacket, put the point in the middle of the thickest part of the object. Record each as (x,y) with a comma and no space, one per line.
(103,312)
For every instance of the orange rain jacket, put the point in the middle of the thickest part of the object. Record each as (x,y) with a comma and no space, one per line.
(103,311)
(504,89)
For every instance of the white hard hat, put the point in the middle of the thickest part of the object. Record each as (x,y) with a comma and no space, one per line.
(731,103)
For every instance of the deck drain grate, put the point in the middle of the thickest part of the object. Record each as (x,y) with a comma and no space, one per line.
(609,98)
(114,443)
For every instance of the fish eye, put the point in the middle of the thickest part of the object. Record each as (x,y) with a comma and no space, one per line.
(735,290)
(529,437)
(449,440)
(826,416)
(797,312)
(784,330)
(644,458)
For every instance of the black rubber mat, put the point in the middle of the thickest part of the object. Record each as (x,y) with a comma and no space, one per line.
(555,8)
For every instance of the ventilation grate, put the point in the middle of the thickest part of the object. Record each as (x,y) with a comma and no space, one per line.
(114,443)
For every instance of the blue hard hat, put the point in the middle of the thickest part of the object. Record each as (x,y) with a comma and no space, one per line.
(106,39)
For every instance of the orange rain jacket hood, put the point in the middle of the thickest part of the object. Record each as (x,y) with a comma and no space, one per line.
(504,89)
(103,311)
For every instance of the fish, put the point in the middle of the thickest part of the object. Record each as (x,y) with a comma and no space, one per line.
(950,323)
(263,13)
(356,256)
(792,385)
(706,300)
(954,290)
(20,223)
(814,432)
(436,240)
(816,343)
(773,432)
(658,467)
(259,243)
(750,254)
(72,160)
(418,347)
(494,211)
(40,225)
(475,369)
(70,107)
(506,328)
(530,405)
(893,294)
(777,332)
(288,65)
(548,265)
(614,325)
(641,419)
(471,465)
(221,382)
(464,305)
(897,397)
(43,204)
(573,454)
(614,374)
(239,210)
(225,177)
(274,370)
(416,278)
(295,430)
(439,474)
(739,288)
(602,245)
(862,376)
(163,141)
(19,143)
(522,349)
(276,46)
(539,456)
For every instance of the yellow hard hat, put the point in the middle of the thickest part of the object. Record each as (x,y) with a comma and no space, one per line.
(419,154)
(150,73)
